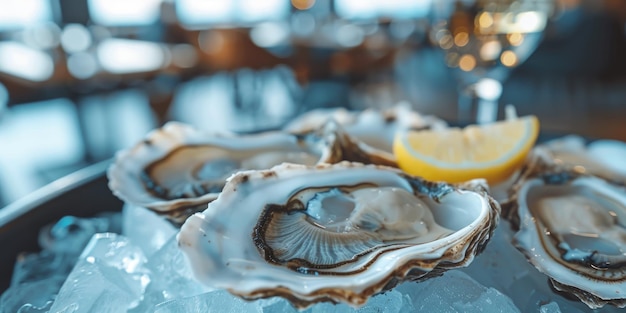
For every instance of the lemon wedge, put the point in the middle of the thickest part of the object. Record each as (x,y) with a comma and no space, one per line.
(491,151)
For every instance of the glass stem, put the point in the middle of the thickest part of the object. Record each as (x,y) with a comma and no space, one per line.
(479,101)
(488,92)
(487,111)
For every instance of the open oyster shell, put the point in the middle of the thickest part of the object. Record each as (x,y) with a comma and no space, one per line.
(334,233)
(604,158)
(347,148)
(177,169)
(571,227)
(374,130)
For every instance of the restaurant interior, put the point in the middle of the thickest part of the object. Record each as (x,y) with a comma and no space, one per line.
(82,79)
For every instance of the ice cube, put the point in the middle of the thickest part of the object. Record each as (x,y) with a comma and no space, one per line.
(551,307)
(277,305)
(32,296)
(145,228)
(110,276)
(70,234)
(536,292)
(37,266)
(220,300)
(455,292)
(500,265)
(214,301)
(62,243)
(390,301)
(30,308)
(490,301)
(173,278)
(504,268)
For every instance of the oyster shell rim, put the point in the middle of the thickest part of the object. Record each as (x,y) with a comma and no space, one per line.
(541,170)
(174,135)
(171,131)
(575,144)
(402,113)
(456,250)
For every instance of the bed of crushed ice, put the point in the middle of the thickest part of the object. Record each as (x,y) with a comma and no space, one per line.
(129,262)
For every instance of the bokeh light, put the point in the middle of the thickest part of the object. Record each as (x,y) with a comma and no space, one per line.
(302,4)
(82,65)
(446,41)
(490,50)
(124,12)
(75,38)
(485,20)
(199,13)
(42,36)
(461,39)
(373,9)
(123,56)
(349,35)
(515,39)
(22,61)
(24,13)
(467,63)
(508,58)
(269,34)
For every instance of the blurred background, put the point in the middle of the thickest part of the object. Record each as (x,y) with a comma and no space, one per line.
(82,79)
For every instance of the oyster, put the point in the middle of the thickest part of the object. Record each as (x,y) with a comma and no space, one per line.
(347,148)
(604,158)
(177,169)
(572,228)
(373,129)
(334,233)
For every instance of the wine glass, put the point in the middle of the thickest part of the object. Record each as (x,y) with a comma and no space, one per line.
(482,41)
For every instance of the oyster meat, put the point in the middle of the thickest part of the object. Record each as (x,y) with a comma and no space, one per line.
(177,169)
(572,228)
(337,233)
